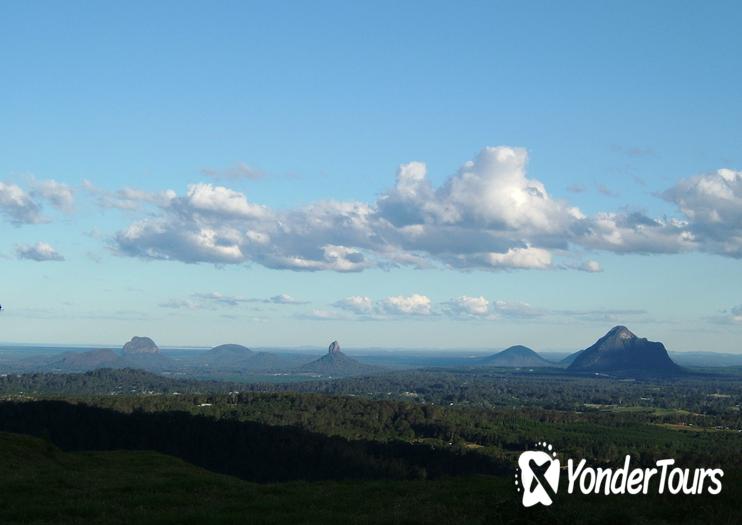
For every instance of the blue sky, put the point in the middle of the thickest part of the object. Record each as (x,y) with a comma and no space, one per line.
(405,174)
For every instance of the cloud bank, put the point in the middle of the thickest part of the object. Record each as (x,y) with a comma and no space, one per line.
(488,215)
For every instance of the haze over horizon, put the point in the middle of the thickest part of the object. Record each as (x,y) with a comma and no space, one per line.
(470,177)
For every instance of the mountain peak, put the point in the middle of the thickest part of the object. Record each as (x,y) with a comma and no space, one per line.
(336,363)
(620,332)
(621,350)
(141,345)
(516,356)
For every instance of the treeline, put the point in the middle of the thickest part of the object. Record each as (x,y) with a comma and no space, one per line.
(501,433)
(709,395)
(106,381)
(250,450)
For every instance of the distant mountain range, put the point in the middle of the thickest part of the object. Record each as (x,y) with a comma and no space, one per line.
(621,351)
(517,356)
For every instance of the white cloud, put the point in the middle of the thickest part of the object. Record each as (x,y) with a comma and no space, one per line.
(414,304)
(530,257)
(59,195)
(636,233)
(40,252)
(712,204)
(322,315)
(18,206)
(468,306)
(221,201)
(591,267)
(356,304)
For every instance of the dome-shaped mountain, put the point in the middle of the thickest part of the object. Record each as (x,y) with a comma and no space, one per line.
(142,352)
(336,363)
(141,345)
(233,357)
(517,356)
(229,354)
(621,351)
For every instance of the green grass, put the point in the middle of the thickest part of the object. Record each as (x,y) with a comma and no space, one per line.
(39,484)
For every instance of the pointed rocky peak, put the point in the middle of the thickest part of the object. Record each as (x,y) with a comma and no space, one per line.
(620,332)
(334,348)
(621,350)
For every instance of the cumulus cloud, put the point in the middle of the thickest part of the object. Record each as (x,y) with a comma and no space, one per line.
(393,306)
(39,252)
(488,215)
(468,306)
(414,304)
(712,205)
(18,206)
(635,232)
(356,304)
(22,206)
(58,194)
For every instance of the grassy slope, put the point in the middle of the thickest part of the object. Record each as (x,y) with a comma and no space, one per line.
(42,485)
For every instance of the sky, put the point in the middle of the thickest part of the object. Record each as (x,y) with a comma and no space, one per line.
(392,174)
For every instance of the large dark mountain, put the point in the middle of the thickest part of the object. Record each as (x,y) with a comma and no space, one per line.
(336,363)
(516,356)
(621,351)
